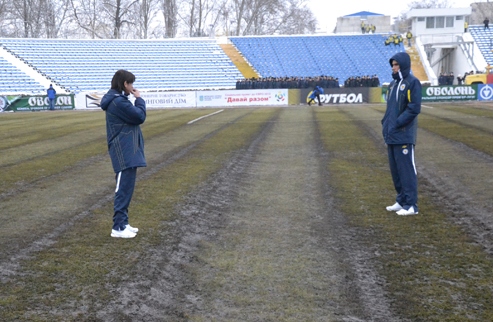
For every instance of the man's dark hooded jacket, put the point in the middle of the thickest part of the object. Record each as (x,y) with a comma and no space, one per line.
(399,124)
(125,140)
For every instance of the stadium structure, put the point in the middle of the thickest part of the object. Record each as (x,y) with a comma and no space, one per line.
(440,44)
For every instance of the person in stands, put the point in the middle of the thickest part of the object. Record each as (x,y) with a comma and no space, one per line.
(409,36)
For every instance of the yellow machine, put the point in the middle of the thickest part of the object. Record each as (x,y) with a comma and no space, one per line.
(480,78)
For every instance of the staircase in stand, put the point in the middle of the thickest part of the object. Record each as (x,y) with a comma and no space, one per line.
(416,64)
(237,59)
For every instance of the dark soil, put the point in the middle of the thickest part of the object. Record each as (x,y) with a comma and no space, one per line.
(263,239)
(275,192)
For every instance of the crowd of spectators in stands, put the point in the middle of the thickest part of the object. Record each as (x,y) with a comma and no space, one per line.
(288,82)
(448,79)
(363,81)
(306,82)
(394,39)
(367,28)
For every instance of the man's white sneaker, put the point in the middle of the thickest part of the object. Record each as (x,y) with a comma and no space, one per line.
(394,207)
(126,233)
(409,212)
(132,229)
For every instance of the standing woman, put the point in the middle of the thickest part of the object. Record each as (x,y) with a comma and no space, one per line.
(125,145)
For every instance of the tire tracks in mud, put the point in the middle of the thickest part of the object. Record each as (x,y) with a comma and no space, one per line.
(357,254)
(455,176)
(291,225)
(166,292)
(13,254)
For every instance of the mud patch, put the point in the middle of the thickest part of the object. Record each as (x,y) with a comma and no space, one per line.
(166,290)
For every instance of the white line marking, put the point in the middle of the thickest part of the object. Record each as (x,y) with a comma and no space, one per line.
(197,119)
(426,106)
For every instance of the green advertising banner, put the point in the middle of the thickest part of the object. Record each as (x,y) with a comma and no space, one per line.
(450,93)
(35,103)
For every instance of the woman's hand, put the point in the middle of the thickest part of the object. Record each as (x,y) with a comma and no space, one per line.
(136,92)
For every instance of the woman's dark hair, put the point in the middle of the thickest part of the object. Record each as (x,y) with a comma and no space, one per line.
(120,77)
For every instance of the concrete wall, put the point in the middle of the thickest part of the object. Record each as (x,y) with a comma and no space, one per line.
(353,24)
(457,61)
(477,56)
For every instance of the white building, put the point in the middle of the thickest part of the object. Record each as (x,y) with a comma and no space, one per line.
(443,45)
(438,20)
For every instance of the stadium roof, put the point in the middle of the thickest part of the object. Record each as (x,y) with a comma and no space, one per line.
(364,13)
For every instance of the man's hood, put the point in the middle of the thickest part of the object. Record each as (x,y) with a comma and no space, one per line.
(404,63)
(108,98)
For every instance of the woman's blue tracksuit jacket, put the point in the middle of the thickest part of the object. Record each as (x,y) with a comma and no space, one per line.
(125,146)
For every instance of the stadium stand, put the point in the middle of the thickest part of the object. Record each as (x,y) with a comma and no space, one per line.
(309,56)
(89,65)
(12,79)
(177,64)
(484,40)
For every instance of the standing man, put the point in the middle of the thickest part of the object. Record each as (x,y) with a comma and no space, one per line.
(486,22)
(409,36)
(51,96)
(459,80)
(399,128)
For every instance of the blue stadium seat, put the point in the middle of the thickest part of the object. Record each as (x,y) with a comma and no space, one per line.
(338,56)
(14,80)
(484,40)
(90,64)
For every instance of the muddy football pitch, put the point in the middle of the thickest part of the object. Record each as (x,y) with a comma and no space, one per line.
(247,214)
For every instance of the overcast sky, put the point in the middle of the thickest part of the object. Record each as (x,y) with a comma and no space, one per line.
(327,11)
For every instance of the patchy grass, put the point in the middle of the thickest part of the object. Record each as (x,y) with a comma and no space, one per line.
(268,264)
(475,138)
(79,272)
(473,111)
(73,139)
(434,272)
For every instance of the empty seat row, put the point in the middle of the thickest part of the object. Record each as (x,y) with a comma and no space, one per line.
(90,64)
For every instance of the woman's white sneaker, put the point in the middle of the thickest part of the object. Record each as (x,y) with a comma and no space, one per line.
(132,229)
(394,207)
(409,212)
(126,233)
